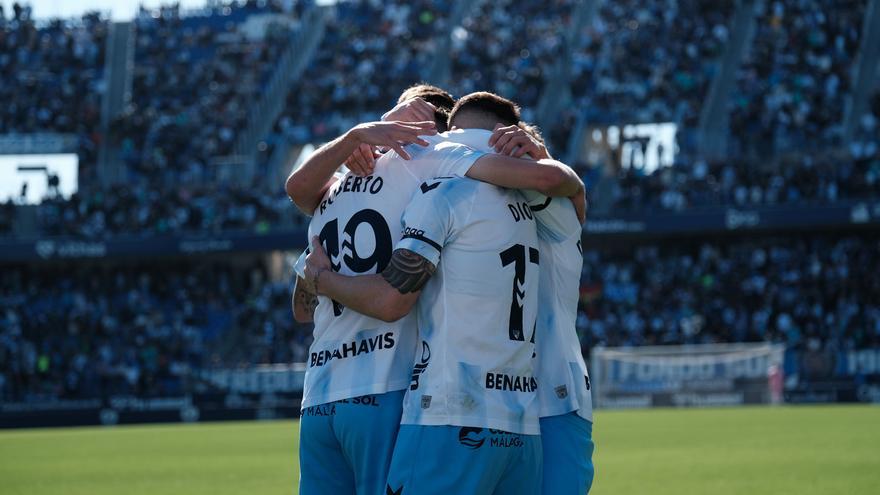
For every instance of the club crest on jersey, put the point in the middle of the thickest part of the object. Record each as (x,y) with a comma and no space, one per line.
(561,391)
(420,368)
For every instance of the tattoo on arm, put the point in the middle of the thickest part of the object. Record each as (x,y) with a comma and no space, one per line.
(306,301)
(408,272)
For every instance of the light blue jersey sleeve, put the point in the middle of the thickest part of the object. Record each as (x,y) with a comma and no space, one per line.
(427,221)
(300,266)
(556,217)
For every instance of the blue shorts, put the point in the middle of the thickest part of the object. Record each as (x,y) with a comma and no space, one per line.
(442,460)
(568,454)
(345,446)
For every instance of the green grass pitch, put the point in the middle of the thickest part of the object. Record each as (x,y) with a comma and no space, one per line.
(784,450)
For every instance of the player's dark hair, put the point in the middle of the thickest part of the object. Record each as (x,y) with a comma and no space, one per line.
(485,104)
(438,97)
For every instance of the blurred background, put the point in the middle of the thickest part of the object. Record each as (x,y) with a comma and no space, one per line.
(729,147)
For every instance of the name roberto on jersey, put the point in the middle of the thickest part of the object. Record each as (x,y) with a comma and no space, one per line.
(352,349)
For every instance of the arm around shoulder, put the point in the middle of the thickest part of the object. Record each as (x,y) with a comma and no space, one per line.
(549,177)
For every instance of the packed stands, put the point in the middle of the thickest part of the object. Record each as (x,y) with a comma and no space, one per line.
(806,292)
(793,84)
(98,330)
(52,78)
(744,182)
(92,328)
(210,208)
(194,79)
(650,61)
(510,47)
(371,52)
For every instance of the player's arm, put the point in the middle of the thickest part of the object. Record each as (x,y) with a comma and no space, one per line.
(546,176)
(388,296)
(308,184)
(303,302)
(451,159)
(513,166)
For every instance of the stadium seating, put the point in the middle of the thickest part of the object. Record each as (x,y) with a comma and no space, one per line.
(374,51)
(197,208)
(509,46)
(95,331)
(744,182)
(52,79)
(194,78)
(781,290)
(792,87)
(650,61)
(102,327)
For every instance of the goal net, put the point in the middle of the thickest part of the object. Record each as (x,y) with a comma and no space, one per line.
(694,375)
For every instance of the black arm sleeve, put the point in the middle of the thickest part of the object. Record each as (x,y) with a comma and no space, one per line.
(407,271)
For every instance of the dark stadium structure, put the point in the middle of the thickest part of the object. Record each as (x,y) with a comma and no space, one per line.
(160,290)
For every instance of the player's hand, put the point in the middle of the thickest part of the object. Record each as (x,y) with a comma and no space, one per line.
(412,110)
(394,135)
(316,262)
(363,161)
(514,141)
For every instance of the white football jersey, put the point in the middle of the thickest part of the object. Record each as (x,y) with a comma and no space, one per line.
(564,383)
(475,363)
(359,222)
(562,372)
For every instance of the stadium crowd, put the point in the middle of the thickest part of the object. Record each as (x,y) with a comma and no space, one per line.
(93,331)
(793,84)
(511,47)
(195,73)
(146,329)
(210,208)
(52,78)
(649,61)
(263,206)
(98,329)
(373,50)
(812,292)
(194,80)
(798,179)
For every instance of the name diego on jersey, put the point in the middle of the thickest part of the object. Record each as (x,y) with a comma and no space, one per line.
(520,211)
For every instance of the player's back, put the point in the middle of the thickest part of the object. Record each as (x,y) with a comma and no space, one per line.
(358,223)
(477,313)
(561,370)
(560,364)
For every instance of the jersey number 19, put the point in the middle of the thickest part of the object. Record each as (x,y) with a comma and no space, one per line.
(353,260)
